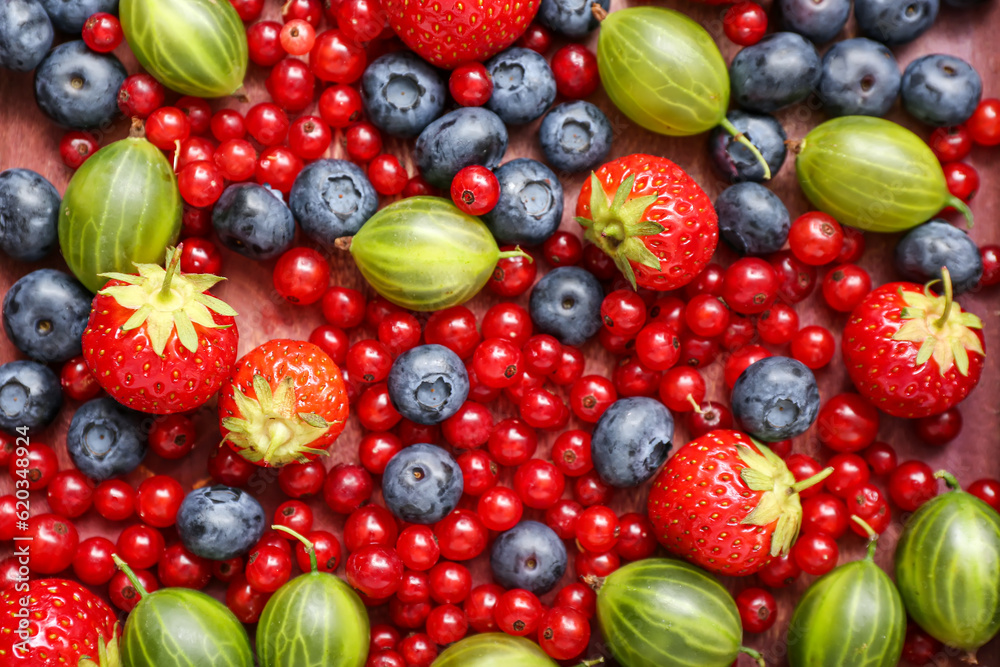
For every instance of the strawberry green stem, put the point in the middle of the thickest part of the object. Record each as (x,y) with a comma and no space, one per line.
(753,654)
(310,547)
(962,207)
(799,487)
(516,252)
(949,479)
(872,536)
(949,297)
(741,138)
(173,266)
(134,580)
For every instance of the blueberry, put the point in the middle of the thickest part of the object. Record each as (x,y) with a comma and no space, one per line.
(819,21)
(70,15)
(78,88)
(734,160)
(523,85)
(422,484)
(220,522)
(531,203)
(925,249)
(631,441)
(566,303)
(253,221)
(572,18)
(530,556)
(941,90)
(402,93)
(575,136)
(30,395)
(45,313)
(775,399)
(25,34)
(332,198)
(29,215)
(463,137)
(860,78)
(779,70)
(428,383)
(895,22)
(105,439)
(752,219)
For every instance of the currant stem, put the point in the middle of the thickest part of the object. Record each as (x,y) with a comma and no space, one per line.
(343,243)
(741,138)
(962,207)
(753,654)
(949,297)
(310,547)
(516,252)
(872,536)
(134,580)
(138,128)
(599,12)
(811,481)
(593,581)
(593,661)
(694,403)
(949,479)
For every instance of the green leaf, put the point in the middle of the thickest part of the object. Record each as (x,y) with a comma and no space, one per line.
(643,228)
(202,282)
(767,510)
(598,199)
(926,350)
(586,223)
(185,331)
(757,480)
(634,249)
(129,278)
(622,193)
(632,212)
(961,357)
(314,420)
(626,268)
(137,318)
(263,392)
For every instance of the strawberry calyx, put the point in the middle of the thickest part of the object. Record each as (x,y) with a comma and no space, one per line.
(269,429)
(617,226)
(107,653)
(766,472)
(167,301)
(940,327)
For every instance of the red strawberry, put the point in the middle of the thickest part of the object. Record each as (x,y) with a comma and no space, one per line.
(447,33)
(285,402)
(67,626)
(158,341)
(650,217)
(911,352)
(727,503)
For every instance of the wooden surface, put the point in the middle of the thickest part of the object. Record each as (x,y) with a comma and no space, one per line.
(29,140)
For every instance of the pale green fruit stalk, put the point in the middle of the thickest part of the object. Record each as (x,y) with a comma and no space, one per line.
(121,208)
(872,174)
(664,71)
(196,47)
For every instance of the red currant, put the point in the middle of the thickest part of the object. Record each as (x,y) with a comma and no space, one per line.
(179,568)
(264,43)
(387,175)
(758,609)
(297,37)
(824,513)
(638,537)
(939,429)
(158,500)
(347,487)
(987,490)
(300,480)
(847,423)
(849,470)
(114,500)
(574,67)
(815,553)
(140,546)
(749,286)
(802,467)
(500,508)
(508,321)
(539,483)
(867,502)
(814,346)
(912,484)
(200,183)
(561,517)
(371,524)
(682,389)
(578,596)
(75,147)
(37,468)
(278,166)
(199,255)
(962,180)
(450,583)
(984,124)
(418,547)
(780,572)
(236,159)
(140,95)
(991,265)
(740,360)
(475,190)
(518,612)
(845,286)
(166,127)
(536,37)
(70,494)
(816,238)
(245,601)
(881,458)
(563,633)
(950,144)
(745,23)
(102,32)
(797,279)
(291,85)
(92,562)
(597,529)
(123,593)
(710,416)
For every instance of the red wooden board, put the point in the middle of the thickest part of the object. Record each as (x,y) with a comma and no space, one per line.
(28,139)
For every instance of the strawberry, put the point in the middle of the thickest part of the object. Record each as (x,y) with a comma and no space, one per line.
(911,352)
(651,218)
(158,341)
(447,33)
(67,626)
(727,503)
(285,402)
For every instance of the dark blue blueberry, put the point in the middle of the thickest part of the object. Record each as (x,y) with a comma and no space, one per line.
(965,4)
(30,396)
(45,313)
(819,21)
(78,88)
(70,15)
(941,90)
(220,522)
(775,399)
(332,198)
(572,18)
(531,203)
(25,34)
(463,137)
(734,160)
(427,384)
(523,85)
(631,441)
(530,556)
(925,249)
(895,21)
(402,93)
(422,484)
(106,439)
(575,136)
(253,221)
(566,303)
(752,219)
(29,215)
(860,78)
(778,71)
